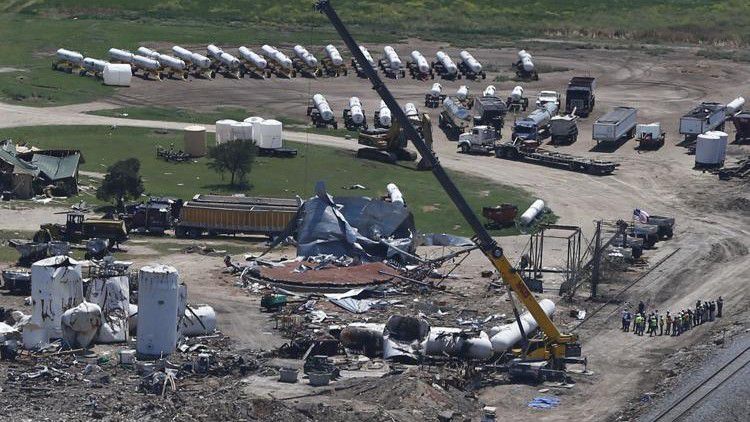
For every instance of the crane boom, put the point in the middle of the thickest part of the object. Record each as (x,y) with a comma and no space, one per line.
(556,342)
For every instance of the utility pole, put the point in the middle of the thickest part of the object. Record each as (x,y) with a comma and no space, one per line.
(595,271)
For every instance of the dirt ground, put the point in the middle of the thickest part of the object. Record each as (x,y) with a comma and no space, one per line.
(711,234)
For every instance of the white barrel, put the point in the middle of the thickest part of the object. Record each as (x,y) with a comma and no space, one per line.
(334,55)
(721,151)
(490,91)
(323,107)
(395,193)
(448,64)
(121,55)
(528,65)
(283,60)
(115,74)
(201,61)
(534,210)
(198,321)
(268,51)
(410,110)
(452,342)
(305,56)
(171,62)
(367,55)
(241,131)
(255,59)
(436,89)
(94,65)
(394,62)
(214,51)
(420,61)
(506,336)
(470,61)
(182,53)
(158,310)
(385,114)
(224,130)
(147,52)
(271,133)
(523,54)
(56,286)
(70,56)
(229,60)
(462,92)
(517,93)
(145,63)
(355,109)
(735,105)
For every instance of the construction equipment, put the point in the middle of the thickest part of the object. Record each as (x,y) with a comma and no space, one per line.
(320,113)
(470,67)
(530,152)
(535,126)
(78,228)
(552,347)
(389,145)
(419,67)
(434,96)
(701,119)
(649,136)
(615,126)
(524,67)
(580,96)
(545,97)
(516,101)
(563,130)
(481,140)
(455,118)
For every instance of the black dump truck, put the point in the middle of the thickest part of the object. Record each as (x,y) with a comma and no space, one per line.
(489,111)
(580,96)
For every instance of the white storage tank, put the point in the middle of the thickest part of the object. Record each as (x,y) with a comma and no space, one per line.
(724,142)
(242,131)
(533,212)
(506,336)
(158,309)
(198,321)
(224,130)
(112,294)
(708,150)
(195,141)
(56,286)
(117,74)
(270,134)
(255,121)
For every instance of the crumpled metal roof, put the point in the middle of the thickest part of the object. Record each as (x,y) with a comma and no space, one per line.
(57,168)
(19,165)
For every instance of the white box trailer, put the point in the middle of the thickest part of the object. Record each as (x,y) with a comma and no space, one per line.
(616,125)
(703,118)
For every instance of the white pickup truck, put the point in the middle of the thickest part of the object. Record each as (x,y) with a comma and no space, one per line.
(545,97)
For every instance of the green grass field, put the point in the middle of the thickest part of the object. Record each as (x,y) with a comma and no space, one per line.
(339,169)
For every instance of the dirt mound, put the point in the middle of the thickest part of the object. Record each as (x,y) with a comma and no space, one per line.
(739,204)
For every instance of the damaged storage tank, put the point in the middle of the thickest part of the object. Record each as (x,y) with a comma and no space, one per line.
(159,302)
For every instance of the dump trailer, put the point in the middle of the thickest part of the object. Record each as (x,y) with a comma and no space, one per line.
(649,136)
(580,96)
(519,150)
(701,119)
(535,126)
(216,215)
(564,129)
(455,119)
(489,111)
(78,228)
(742,125)
(615,126)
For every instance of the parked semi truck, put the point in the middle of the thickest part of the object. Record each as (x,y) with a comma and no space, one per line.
(615,126)
(535,126)
(564,129)
(704,117)
(580,96)
(489,111)
(214,215)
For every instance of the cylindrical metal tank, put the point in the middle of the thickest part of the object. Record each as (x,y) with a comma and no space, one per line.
(490,91)
(121,55)
(517,93)
(229,60)
(522,54)
(171,62)
(145,63)
(534,210)
(708,150)
(305,56)
(255,121)
(528,65)
(452,342)
(198,321)
(724,137)
(448,64)
(214,51)
(462,92)
(420,61)
(506,336)
(56,286)
(271,132)
(436,89)
(70,56)
(410,110)
(367,55)
(334,55)
(241,131)
(201,61)
(283,60)
(355,108)
(735,105)
(323,107)
(385,114)
(224,130)
(268,51)
(195,141)
(470,61)
(158,310)
(147,52)
(255,59)
(394,62)
(94,65)
(182,53)
(395,193)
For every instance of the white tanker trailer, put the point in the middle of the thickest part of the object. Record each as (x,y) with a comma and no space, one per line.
(120,56)
(306,63)
(445,67)
(198,64)
(147,52)
(434,96)
(333,62)
(516,101)
(223,62)
(524,66)
(173,67)
(419,67)
(320,112)
(93,67)
(383,117)
(470,67)
(67,60)
(253,64)
(147,66)
(354,115)
(278,62)
(391,63)
(368,57)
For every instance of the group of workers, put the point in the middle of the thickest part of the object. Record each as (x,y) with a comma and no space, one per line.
(656,324)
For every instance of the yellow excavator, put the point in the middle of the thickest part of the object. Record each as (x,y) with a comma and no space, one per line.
(389,145)
(550,351)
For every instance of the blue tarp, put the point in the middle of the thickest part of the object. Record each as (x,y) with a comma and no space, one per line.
(544,402)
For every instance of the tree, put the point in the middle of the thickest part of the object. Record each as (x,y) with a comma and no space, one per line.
(235,157)
(121,182)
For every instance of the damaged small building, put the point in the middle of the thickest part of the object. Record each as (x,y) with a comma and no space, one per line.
(25,172)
